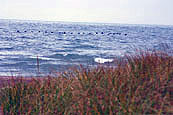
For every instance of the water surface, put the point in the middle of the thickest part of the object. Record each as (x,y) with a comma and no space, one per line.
(62,45)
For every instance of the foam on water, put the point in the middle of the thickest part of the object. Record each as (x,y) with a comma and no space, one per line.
(61,45)
(102,60)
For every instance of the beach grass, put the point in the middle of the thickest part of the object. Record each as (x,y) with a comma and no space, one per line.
(139,84)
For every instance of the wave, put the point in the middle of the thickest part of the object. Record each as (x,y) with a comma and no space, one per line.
(102,60)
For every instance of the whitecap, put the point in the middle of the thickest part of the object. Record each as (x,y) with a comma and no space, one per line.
(65,54)
(102,60)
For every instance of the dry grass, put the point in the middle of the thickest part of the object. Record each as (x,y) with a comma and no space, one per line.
(141,84)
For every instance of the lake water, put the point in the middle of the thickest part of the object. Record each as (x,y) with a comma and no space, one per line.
(60,45)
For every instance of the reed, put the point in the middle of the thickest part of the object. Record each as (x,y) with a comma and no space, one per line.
(140,84)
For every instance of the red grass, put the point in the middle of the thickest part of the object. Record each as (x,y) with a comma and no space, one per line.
(140,84)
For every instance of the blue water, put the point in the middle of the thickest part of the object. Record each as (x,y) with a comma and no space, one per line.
(60,45)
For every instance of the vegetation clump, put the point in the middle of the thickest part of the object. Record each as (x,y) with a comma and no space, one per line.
(139,84)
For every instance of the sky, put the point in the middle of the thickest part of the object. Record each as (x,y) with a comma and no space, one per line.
(100,11)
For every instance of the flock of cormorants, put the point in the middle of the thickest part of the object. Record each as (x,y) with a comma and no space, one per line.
(79,33)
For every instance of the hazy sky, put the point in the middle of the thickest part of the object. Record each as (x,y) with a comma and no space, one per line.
(107,11)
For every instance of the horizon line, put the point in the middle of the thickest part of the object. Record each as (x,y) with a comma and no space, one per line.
(81,22)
